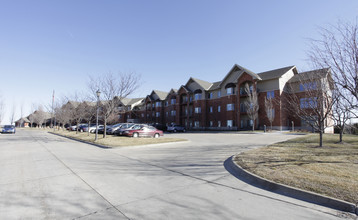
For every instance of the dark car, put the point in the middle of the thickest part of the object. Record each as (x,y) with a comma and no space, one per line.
(114,128)
(143,131)
(124,126)
(159,126)
(9,129)
(175,128)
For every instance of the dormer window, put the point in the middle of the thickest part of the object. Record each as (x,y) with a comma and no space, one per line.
(197,94)
(230,89)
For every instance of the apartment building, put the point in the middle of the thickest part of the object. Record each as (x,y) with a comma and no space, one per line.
(202,105)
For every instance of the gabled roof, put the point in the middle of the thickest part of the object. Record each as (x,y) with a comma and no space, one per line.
(216,85)
(134,100)
(90,103)
(185,88)
(277,73)
(309,75)
(239,70)
(204,84)
(162,95)
(171,92)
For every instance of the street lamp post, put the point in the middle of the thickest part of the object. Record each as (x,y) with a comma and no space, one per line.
(98,93)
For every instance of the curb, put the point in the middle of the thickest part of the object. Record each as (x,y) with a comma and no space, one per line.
(289,191)
(82,141)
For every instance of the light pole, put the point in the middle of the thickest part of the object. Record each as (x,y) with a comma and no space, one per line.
(98,93)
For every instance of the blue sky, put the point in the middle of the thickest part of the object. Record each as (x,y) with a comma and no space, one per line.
(54,45)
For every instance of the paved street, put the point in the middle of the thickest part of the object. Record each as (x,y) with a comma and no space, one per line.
(44,176)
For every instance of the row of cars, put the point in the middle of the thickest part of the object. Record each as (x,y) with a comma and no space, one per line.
(123,129)
(130,129)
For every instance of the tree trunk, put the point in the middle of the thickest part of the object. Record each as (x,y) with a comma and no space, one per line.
(105,128)
(253,125)
(341,135)
(88,131)
(321,138)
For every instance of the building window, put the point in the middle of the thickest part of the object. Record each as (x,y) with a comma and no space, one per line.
(197,96)
(230,107)
(242,107)
(158,104)
(166,103)
(120,116)
(128,116)
(142,115)
(308,102)
(173,113)
(230,90)
(157,114)
(196,124)
(219,94)
(308,86)
(147,115)
(219,108)
(242,123)
(270,94)
(219,124)
(210,95)
(211,109)
(185,99)
(230,123)
(167,114)
(197,110)
(210,123)
(173,101)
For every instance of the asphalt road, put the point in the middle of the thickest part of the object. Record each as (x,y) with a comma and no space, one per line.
(43,176)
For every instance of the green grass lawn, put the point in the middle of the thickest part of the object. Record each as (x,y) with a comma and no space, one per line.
(331,170)
(116,141)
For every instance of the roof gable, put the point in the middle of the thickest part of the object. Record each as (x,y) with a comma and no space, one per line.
(238,70)
(277,73)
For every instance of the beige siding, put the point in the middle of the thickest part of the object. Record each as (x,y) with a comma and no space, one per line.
(268,85)
(284,78)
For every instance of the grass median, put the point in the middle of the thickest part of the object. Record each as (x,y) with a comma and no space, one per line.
(331,170)
(117,141)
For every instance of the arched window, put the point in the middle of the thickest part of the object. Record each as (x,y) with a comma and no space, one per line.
(230,88)
(197,94)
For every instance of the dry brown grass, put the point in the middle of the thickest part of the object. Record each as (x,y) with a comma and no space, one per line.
(117,141)
(331,170)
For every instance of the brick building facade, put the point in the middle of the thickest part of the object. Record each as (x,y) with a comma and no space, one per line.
(202,105)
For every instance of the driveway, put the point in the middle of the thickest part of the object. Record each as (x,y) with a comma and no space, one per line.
(48,177)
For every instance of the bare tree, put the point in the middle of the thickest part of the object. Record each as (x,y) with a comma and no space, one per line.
(31,117)
(113,88)
(342,111)
(40,116)
(251,104)
(22,114)
(2,108)
(310,99)
(61,112)
(270,111)
(12,114)
(338,49)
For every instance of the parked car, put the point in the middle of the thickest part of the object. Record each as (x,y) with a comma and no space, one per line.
(72,128)
(143,131)
(175,128)
(124,127)
(91,128)
(100,129)
(159,126)
(9,129)
(114,128)
(81,127)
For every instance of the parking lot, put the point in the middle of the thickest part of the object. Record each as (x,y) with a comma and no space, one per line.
(49,177)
